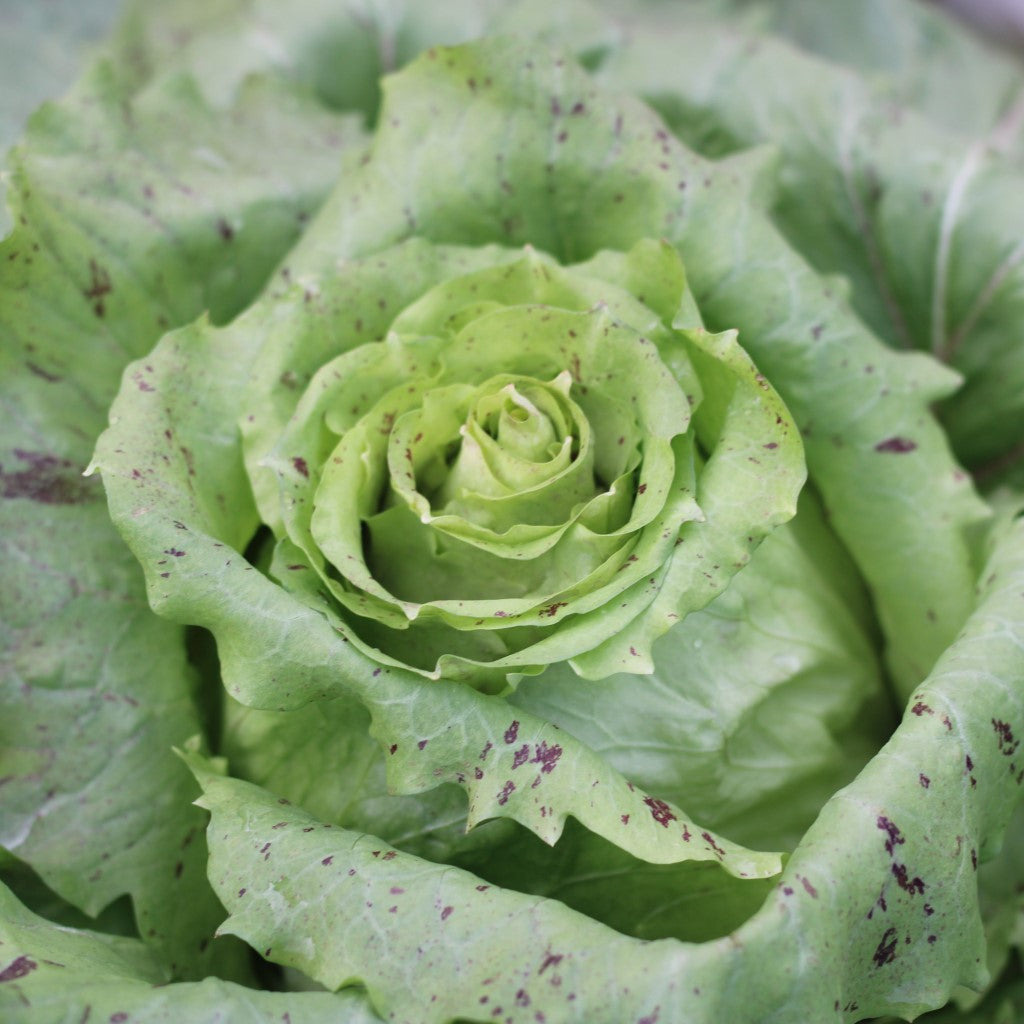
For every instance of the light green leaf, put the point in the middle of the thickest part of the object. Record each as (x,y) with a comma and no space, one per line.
(96,690)
(52,974)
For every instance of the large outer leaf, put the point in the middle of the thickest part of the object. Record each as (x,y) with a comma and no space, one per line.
(52,974)
(924,222)
(877,910)
(514,146)
(134,213)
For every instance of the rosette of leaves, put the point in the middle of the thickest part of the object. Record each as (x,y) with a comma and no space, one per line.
(663,789)
(511,476)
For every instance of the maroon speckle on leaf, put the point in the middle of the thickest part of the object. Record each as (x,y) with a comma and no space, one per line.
(552,609)
(506,791)
(895,838)
(18,968)
(660,811)
(422,744)
(924,780)
(550,960)
(487,749)
(300,466)
(811,891)
(920,708)
(547,757)
(392,748)
(446,913)
(896,445)
(521,756)
(510,733)
(710,840)
(327,861)
(912,885)
(624,819)
(1007,744)
(885,953)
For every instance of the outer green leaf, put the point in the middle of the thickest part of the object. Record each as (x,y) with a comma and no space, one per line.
(101,261)
(880,897)
(50,974)
(590,172)
(925,222)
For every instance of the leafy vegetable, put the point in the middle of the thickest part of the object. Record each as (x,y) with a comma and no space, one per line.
(573,585)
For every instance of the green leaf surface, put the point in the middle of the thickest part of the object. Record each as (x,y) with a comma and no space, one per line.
(51,974)
(87,670)
(884,880)
(922,220)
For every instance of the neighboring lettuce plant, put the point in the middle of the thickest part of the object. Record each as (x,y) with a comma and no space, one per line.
(539,553)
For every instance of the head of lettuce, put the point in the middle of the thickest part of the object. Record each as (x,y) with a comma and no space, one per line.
(536,563)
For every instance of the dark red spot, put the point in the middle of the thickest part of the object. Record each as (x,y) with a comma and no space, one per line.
(547,757)
(1007,744)
(912,885)
(521,756)
(896,445)
(506,791)
(225,230)
(920,708)
(710,840)
(811,891)
(550,960)
(510,735)
(300,466)
(446,913)
(924,780)
(18,969)
(885,952)
(422,743)
(552,609)
(624,819)
(392,748)
(327,861)
(660,811)
(895,837)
